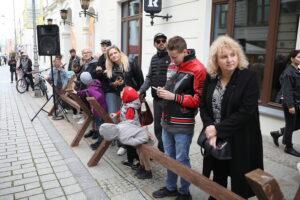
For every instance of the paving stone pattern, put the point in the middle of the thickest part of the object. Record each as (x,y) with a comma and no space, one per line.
(32,165)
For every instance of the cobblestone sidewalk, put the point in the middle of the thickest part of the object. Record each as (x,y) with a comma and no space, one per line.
(35,162)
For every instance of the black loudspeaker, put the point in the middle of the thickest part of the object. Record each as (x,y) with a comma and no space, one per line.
(48,40)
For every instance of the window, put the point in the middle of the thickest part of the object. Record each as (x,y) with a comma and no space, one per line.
(258,12)
(266,44)
(131,29)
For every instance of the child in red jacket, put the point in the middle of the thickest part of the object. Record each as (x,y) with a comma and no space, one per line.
(129,111)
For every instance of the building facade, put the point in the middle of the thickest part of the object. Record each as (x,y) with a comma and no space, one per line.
(267,30)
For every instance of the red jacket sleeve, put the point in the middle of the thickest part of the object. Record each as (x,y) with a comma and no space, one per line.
(130,114)
(189,100)
(118,113)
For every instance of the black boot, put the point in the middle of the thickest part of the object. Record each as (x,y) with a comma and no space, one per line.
(95,145)
(290,150)
(275,135)
(89,134)
(96,135)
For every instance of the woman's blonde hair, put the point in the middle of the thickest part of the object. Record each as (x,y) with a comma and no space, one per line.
(225,43)
(124,63)
(71,83)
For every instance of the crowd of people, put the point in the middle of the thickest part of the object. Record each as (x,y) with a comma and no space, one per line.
(225,92)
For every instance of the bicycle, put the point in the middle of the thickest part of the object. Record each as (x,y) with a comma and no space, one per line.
(23,82)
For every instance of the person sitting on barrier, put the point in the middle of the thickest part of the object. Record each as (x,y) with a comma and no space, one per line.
(94,89)
(131,134)
(129,111)
(60,78)
(71,87)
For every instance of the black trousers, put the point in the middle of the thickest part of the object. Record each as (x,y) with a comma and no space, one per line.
(12,76)
(30,78)
(292,123)
(157,109)
(131,153)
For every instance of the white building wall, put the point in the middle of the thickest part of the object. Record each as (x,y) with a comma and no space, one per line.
(190,19)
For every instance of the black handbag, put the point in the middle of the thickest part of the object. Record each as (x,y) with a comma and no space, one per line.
(221,152)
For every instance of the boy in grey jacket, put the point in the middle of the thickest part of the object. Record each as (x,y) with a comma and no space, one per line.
(130,134)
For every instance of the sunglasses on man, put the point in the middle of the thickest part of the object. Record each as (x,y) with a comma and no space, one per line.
(160,41)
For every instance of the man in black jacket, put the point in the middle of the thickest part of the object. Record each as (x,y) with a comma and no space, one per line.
(12,67)
(157,77)
(73,59)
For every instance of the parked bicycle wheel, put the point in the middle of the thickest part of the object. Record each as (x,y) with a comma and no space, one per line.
(21,85)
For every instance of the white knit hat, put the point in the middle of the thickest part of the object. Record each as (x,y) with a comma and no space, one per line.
(86,78)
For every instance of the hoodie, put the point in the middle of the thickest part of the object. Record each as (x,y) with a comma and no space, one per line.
(94,90)
(130,106)
(127,133)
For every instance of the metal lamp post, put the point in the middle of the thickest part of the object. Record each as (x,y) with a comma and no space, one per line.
(37,91)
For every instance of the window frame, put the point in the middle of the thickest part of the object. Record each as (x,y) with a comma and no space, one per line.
(128,19)
(273,17)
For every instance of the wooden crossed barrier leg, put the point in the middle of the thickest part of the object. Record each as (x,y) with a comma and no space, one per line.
(76,103)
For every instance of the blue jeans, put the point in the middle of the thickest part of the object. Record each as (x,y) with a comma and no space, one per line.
(177,146)
(99,121)
(113,102)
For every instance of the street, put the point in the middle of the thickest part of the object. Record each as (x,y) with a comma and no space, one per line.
(36,161)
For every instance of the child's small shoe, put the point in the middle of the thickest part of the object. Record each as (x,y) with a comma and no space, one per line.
(145,175)
(121,151)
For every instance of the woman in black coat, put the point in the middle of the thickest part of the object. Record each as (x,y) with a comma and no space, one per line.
(229,110)
(12,67)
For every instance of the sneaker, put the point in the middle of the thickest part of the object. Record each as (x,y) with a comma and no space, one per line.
(144,175)
(126,163)
(95,135)
(95,145)
(164,192)
(76,116)
(89,134)
(80,121)
(184,197)
(121,151)
(139,170)
(135,165)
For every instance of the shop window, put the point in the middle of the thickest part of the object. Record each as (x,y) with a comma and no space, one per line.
(258,12)
(252,38)
(131,29)
(286,41)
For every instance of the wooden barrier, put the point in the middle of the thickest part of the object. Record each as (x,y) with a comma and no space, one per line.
(87,121)
(205,184)
(105,144)
(76,103)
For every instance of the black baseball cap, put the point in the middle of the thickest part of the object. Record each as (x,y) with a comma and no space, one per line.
(107,42)
(158,35)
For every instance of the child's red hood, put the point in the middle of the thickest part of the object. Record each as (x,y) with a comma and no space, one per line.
(129,94)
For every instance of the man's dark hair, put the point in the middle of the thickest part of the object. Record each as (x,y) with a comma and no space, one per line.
(176,43)
(58,57)
(72,50)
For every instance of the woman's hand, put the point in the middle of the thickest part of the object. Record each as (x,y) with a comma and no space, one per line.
(112,115)
(118,83)
(210,131)
(98,68)
(292,110)
(213,141)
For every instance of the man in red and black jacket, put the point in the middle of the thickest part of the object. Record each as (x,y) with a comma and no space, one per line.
(181,94)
